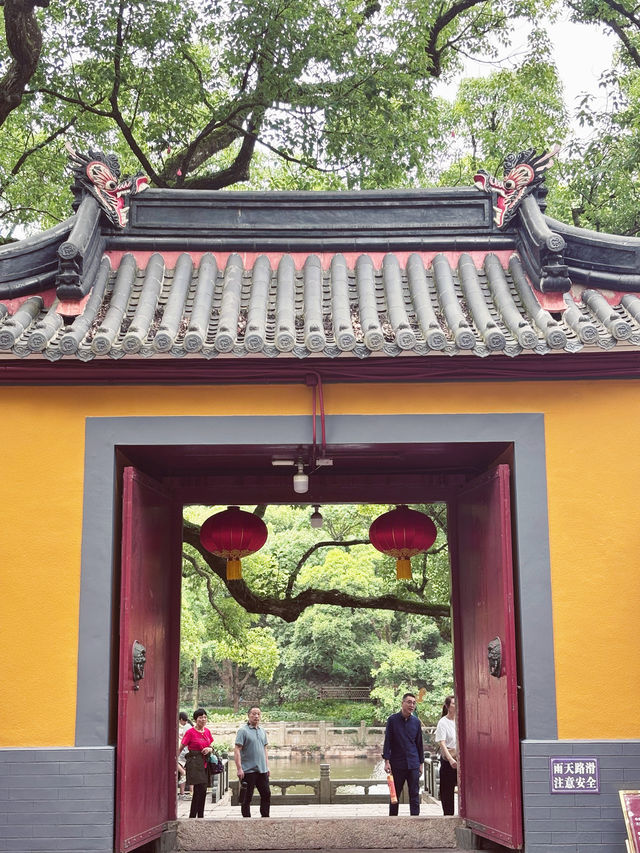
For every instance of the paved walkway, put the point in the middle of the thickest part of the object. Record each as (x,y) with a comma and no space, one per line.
(225,811)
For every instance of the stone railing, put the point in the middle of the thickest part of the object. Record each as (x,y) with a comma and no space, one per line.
(432,775)
(220,783)
(325,790)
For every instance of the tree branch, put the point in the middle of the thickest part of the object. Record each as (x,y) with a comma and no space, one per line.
(238,171)
(117,59)
(222,179)
(327,544)
(289,609)
(198,72)
(633,51)
(433,52)
(210,593)
(29,151)
(618,28)
(67,99)
(215,136)
(623,11)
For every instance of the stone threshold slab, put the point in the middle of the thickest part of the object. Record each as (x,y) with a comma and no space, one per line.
(304,834)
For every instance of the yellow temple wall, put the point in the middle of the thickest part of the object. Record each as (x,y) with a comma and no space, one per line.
(593,471)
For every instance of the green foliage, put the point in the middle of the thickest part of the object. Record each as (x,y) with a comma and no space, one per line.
(315,95)
(619,16)
(429,710)
(284,663)
(257,650)
(599,179)
(225,715)
(337,712)
(599,176)
(215,627)
(424,662)
(332,645)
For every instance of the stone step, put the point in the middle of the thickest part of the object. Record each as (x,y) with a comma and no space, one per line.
(317,833)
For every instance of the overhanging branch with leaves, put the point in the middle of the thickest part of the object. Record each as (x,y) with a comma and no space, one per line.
(289,606)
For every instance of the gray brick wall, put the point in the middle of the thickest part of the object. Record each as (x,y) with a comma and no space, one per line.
(577,823)
(58,800)
(62,800)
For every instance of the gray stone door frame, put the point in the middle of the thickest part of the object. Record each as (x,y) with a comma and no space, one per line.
(104,435)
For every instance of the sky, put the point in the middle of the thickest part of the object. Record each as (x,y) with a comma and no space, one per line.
(582,53)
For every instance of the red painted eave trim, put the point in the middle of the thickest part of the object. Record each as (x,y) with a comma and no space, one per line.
(170,258)
(557,367)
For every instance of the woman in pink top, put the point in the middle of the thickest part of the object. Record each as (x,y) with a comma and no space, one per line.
(198,741)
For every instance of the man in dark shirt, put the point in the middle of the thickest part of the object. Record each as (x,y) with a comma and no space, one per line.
(403,753)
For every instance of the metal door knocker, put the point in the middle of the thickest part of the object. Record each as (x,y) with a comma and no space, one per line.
(495,657)
(139,654)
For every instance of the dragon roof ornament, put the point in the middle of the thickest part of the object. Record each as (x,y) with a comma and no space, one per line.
(99,175)
(523,173)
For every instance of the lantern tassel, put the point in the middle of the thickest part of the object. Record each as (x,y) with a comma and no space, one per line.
(234,569)
(403,569)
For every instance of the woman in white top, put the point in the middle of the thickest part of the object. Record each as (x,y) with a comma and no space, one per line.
(446,739)
(184,723)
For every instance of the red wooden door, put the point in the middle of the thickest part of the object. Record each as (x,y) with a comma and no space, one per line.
(490,783)
(149,615)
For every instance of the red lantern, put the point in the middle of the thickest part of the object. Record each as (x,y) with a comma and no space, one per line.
(233,533)
(402,533)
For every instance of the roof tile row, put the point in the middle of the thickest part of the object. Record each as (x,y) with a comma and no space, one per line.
(208,311)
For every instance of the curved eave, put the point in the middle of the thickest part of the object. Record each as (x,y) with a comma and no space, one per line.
(600,260)
(30,265)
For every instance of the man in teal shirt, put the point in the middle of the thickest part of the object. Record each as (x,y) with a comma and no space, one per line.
(252,762)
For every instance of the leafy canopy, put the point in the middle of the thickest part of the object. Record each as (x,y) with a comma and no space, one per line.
(295,94)
(190,91)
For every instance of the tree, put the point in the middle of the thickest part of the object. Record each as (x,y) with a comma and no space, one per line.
(190,90)
(215,627)
(335,644)
(194,642)
(24,43)
(509,110)
(419,661)
(256,655)
(600,179)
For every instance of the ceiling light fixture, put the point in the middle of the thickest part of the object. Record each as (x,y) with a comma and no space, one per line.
(316,518)
(300,480)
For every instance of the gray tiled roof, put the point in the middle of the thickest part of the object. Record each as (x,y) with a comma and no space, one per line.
(206,311)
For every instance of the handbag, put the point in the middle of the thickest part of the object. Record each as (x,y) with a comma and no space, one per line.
(215,764)
(196,769)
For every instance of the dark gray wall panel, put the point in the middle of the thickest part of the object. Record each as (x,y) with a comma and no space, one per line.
(57,800)
(577,823)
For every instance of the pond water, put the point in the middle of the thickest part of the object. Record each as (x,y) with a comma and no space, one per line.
(308,767)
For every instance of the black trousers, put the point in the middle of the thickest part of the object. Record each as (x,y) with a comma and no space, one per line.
(261,782)
(197,800)
(412,778)
(448,781)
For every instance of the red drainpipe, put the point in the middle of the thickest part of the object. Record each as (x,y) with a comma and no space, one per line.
(314,381)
